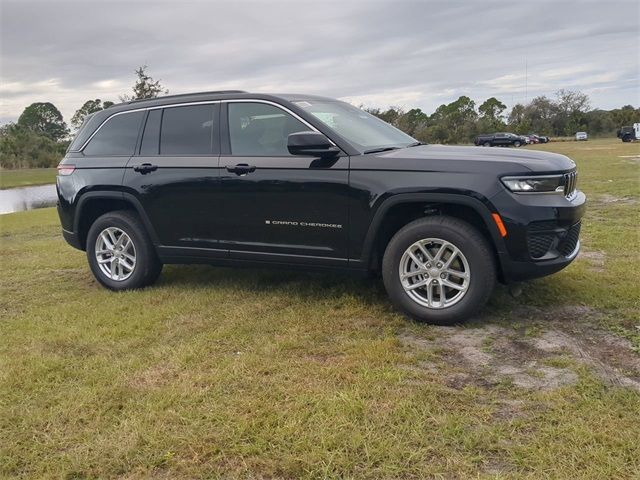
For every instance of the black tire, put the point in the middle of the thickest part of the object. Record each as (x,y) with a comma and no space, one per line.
(147,265)
(473,246)
(517,143)
(486,144)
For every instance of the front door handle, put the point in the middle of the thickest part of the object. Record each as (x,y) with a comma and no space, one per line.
(241,168)
(145,168)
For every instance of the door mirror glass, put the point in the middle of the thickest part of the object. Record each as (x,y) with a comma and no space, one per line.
(313,144)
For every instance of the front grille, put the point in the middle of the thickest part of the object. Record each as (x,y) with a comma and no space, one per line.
(568,243)
(570,183)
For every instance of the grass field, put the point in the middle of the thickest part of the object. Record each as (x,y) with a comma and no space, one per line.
(27,176)
(219,373)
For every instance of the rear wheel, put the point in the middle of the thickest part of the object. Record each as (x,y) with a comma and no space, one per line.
(120,253)
(439,270)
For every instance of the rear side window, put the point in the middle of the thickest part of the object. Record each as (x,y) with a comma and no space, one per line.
(187,130)
(117,136)
(151,136)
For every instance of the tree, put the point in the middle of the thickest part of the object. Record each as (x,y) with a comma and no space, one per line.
(45,119)
(89,107)
(413,121)
(21,147)
(571,109)
(492,109)
(457,119)
(491,114)
(145,87)
(626,115)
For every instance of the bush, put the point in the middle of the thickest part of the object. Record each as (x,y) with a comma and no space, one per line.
(23,148)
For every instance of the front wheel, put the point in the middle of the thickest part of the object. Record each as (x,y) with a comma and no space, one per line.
(120,253)
(516,144)
(439,270)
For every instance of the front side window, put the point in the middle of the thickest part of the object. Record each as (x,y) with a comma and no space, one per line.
(117,136)
(187,130)
(259,129)
(363,130)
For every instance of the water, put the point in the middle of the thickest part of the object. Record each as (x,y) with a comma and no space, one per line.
(27,198)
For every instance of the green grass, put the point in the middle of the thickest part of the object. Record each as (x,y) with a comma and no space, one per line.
(27,176)
(219,373)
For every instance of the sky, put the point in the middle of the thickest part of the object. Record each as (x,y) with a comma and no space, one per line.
(376,53)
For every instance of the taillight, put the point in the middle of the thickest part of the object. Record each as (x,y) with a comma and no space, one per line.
(65,169)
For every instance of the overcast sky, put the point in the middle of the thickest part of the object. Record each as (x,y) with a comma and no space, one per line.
(376,53)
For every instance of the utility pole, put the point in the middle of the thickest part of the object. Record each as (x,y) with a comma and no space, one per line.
(526,78)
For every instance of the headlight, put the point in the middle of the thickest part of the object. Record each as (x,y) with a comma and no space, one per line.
(535,184)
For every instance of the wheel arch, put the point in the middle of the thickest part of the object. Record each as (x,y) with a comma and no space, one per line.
(92,205)
(401,209)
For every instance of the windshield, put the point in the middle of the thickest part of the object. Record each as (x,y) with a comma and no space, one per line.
(363,130)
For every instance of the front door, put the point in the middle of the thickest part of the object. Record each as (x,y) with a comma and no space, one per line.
(279,207)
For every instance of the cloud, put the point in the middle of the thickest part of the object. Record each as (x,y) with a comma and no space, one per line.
(381,53)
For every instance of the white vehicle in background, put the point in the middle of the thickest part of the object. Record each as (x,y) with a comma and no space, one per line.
(581,136)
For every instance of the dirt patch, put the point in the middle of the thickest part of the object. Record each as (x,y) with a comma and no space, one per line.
(631,158)
(155,377)
(605,198)
(543,359)
(595,259)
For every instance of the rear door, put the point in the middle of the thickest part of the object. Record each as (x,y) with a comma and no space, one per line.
(501,139)
(279,207)
(175,177)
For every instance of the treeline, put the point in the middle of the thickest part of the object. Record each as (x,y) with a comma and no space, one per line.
(40,136)
(460,121)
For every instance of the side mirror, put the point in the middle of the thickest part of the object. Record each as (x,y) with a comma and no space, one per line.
(313,144)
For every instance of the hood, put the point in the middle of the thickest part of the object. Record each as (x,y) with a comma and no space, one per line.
(473,159)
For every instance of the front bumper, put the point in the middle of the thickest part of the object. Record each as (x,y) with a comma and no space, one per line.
(515,271)
(542,233)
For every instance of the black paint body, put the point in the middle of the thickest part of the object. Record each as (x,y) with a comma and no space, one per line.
(300,210)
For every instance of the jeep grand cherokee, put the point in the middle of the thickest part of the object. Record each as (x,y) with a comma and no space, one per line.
(233,178)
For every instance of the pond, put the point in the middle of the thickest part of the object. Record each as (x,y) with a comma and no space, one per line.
(27,198)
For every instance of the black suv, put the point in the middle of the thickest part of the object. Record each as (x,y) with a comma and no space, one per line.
(499,140)
(233,178)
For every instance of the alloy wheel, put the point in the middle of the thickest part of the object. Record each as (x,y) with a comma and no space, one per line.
(115,254)
(434,273)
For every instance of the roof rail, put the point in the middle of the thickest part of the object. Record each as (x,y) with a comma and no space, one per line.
(185,95)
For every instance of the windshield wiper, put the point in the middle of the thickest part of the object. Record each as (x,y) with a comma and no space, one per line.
(415,144)
(381,149)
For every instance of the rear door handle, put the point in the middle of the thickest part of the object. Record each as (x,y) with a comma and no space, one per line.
(145,168)
(241,168)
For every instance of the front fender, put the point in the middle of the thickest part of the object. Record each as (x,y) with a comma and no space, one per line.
(482,206)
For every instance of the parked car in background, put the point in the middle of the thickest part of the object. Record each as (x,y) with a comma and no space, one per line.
(581,136)
(538,138)
(499,140)
(629,134)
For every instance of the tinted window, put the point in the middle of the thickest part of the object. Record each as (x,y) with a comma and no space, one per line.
(258,129)
(117,136)
(187,130)
(151,135)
